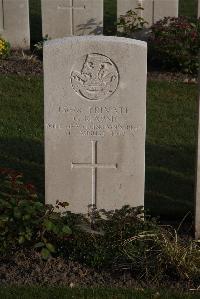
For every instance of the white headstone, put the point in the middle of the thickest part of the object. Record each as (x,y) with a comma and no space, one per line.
(61,18)
(95,114)
(197,207)
(14,22)
(165,8)
(153,10)
(1,16)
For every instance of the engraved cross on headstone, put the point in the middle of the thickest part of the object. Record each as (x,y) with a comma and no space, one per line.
(1,16)
(94,165)
(72,8)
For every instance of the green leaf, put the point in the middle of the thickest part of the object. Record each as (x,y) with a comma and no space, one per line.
(45,253)
(66,230)
(4,218)
(17,213)
(39,245)
(48,225)
(56,229)
(28,236)
(26,217)
(39,205)
(21,240)
(50,247)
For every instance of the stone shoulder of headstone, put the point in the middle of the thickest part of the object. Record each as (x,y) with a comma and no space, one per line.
(85,38)
(95,122)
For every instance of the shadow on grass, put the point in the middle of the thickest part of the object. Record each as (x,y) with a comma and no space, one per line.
(170,173)
(25,156)
(35,21)
(110,17)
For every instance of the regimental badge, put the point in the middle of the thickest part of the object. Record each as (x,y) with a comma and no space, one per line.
(97,79)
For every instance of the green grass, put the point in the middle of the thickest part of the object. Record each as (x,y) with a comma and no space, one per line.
(35,21)
(170,144)
(170,148)
(188,8)
(110,17)
(21,127)
(66,293)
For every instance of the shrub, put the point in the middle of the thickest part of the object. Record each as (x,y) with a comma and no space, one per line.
(24,220)
(124,239)
(131,22)
(4,48)
(128,240)
(175,43)
(98,241)
(38,47)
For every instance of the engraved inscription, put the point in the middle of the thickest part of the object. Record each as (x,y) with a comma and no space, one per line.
(95,77)
(95,121)
(94,165)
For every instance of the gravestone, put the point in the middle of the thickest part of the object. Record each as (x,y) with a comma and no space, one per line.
(165,8)
(197,207)
(198,14)
(95,111)
(153,10)
(14,22)
(61,18)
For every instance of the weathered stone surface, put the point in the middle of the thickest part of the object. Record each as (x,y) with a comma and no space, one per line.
(153,10)
(165,8)
(61,18)
(14,22)
(197,206)
(95,112)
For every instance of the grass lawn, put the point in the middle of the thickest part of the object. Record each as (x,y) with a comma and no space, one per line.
(65,293)
(170,145)
(21,129)
(170,148)
(188,8)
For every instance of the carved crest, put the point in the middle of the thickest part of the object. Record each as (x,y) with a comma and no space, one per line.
(97,79)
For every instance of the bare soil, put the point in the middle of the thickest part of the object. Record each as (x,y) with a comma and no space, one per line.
(27,268)
(22,64)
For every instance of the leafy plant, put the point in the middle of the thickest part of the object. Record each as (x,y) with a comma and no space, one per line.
(98,240)
(38,47)
(24,220)
(174,44)
(4,48)
(131,22)
(122,239)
